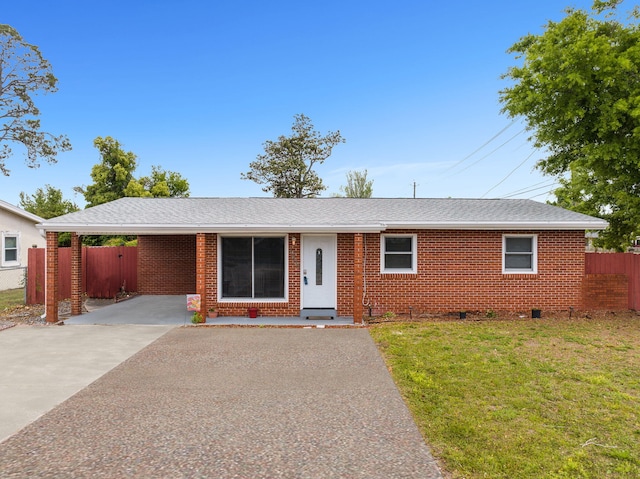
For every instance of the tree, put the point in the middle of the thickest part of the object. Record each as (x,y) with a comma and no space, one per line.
(24,73)
(579,92)
(357,185)
(160,184)
(286,167)
(112,175)
(47,203)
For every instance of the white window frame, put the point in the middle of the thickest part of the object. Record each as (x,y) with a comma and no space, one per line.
(534,255)
(230,299)
(4,263)
(414,254)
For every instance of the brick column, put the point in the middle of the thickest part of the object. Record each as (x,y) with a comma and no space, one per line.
(201,272)
(51,288)
(211,266)
(76,275)
(358,283)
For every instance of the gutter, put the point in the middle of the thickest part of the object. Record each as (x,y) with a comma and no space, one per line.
(162,229)
(502,225)
(94,229)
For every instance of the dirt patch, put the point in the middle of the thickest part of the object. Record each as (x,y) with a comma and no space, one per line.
(31,315)
(22,314)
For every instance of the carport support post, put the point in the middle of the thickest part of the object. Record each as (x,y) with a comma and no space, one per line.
(201,270)
(358,283)
(51,288)
(76,275)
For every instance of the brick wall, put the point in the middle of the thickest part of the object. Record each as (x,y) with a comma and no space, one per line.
(457,270)
(605,292)
(462,270)
(166,264)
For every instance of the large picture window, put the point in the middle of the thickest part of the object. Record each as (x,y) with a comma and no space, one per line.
(519,254)
(253,267)
(398,253)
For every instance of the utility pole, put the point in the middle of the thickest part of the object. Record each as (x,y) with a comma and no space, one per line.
(414,188)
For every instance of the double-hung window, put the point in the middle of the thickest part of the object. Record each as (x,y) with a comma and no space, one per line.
(519,254)
(10,254)
(398,254)
(253,267)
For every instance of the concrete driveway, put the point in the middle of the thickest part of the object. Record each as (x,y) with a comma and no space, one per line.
(41,366)
(231,402)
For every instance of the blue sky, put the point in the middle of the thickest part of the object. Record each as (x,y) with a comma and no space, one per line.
(197,86)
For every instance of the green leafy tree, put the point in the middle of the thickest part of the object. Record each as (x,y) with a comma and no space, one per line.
(24,73)
(287,166)
(113,178)
(49,203)
(112,175)
(161,183)
(579,92)
(357,185)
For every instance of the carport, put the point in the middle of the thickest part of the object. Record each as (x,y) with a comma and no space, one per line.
(236,253)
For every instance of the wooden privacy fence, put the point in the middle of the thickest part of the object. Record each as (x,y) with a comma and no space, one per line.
(105,270)
(621,264)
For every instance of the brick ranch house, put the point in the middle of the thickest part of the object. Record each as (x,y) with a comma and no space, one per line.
(290,257)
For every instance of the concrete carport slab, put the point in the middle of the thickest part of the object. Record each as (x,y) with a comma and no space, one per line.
(150,310)
(172,310)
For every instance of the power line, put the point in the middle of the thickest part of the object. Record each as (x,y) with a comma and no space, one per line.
(540,194)
(517,192)
(482,146)
(488,154)
(510,173)
(553,183)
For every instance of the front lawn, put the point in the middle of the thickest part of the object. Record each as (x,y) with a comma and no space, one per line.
(522,399)
(11,297)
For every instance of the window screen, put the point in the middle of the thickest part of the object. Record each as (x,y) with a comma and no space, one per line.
(398,254)
(519,253)
(253,267)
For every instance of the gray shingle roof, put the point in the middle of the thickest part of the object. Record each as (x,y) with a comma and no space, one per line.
(190,215)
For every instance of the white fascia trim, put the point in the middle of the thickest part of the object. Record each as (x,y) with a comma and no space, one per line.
(94,229)
(501,225)
(150,229)
(20,212)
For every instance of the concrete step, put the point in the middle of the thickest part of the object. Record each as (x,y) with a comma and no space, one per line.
(318,313)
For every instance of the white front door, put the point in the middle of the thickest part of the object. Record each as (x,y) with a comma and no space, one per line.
(319,271)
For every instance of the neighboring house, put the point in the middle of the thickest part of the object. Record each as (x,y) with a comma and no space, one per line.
(345,255)
(18,233)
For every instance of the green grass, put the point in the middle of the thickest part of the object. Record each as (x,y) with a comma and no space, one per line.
(11,298)
(522,399)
